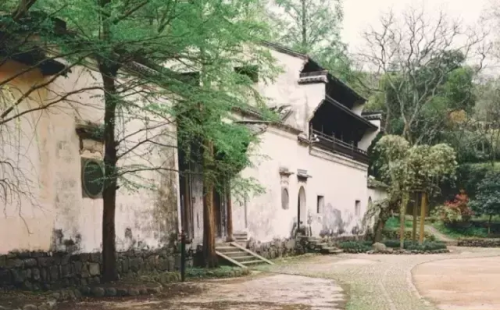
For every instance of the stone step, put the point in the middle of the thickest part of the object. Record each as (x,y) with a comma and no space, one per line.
(227,249)
(234,254)
(252,262)
(243,259)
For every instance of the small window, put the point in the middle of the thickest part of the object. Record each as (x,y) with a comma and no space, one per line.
(92,178)
(284,198)
(357,208)
(251,71)
(320,204)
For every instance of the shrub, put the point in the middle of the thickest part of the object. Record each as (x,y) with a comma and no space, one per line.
(390,234)
(356,246)
(365,246)
(454,212)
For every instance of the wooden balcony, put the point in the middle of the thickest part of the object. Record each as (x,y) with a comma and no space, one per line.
(332,144)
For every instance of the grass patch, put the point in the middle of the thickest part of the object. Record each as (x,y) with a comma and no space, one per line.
(461,232)
(393,223)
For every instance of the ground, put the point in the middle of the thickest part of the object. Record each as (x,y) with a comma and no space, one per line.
(464,279)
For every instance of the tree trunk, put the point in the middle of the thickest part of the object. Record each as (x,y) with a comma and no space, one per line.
(379,227)
(415,213)
(489,225)
(304,27)
(208,212)
(402,215)
(229,205)
(423,212)
(110,183)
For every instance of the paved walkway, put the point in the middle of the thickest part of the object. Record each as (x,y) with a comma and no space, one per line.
(461,284)
(376,282)
(367,282)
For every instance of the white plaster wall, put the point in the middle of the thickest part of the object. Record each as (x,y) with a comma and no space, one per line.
(285,90)
(369,135)
(340,180)
(52,164)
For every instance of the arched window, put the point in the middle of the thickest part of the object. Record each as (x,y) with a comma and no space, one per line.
(285,199)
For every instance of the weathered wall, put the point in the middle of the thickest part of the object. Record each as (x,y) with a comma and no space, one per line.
(339,180)
(54,215)
(38,270)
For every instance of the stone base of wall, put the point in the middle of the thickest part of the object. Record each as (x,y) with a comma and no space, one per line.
(290,247)
(44,271)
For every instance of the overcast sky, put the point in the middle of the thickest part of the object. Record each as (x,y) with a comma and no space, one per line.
(359,14)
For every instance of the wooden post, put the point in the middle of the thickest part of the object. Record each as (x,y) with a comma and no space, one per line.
(415,214)
(402,224)
(423,212)
(229,213)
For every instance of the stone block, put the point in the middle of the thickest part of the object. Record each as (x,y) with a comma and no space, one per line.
(30,262)
(98,291)
(95,257)
(77,265)
(45,261)
(121,292)
(44,274)
(54,273)
(5,276)
(67,271)
(133,292)
(95,280)
(110,291)
(17,276)
(85,272)
(125,265)
(94,269)
(14,263)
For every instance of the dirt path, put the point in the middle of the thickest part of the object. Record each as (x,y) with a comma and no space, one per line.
(461,284)
(439,235)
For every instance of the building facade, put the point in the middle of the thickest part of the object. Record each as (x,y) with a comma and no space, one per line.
(312,164)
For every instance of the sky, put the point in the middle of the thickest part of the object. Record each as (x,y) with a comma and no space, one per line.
(360,14)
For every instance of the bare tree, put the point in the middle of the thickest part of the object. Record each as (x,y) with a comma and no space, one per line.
(414,54)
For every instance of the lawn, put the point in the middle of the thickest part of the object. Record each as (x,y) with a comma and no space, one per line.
(393,223)
(461,232)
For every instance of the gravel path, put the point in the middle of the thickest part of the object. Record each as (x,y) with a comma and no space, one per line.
(376,282)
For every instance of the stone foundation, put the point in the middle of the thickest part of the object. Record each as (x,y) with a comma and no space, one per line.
(44,271)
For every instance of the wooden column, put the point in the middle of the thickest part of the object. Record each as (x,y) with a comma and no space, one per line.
(229,205)
(423,211)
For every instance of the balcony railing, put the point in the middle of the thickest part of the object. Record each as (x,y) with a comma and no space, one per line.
(333,144)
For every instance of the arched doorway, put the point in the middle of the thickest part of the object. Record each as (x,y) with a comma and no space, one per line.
(302,209)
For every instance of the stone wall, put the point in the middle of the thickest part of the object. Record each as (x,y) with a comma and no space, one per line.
(43,271)
(290,247)
(481,243)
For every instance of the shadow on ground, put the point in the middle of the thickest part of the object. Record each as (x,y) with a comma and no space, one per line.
(263,291)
